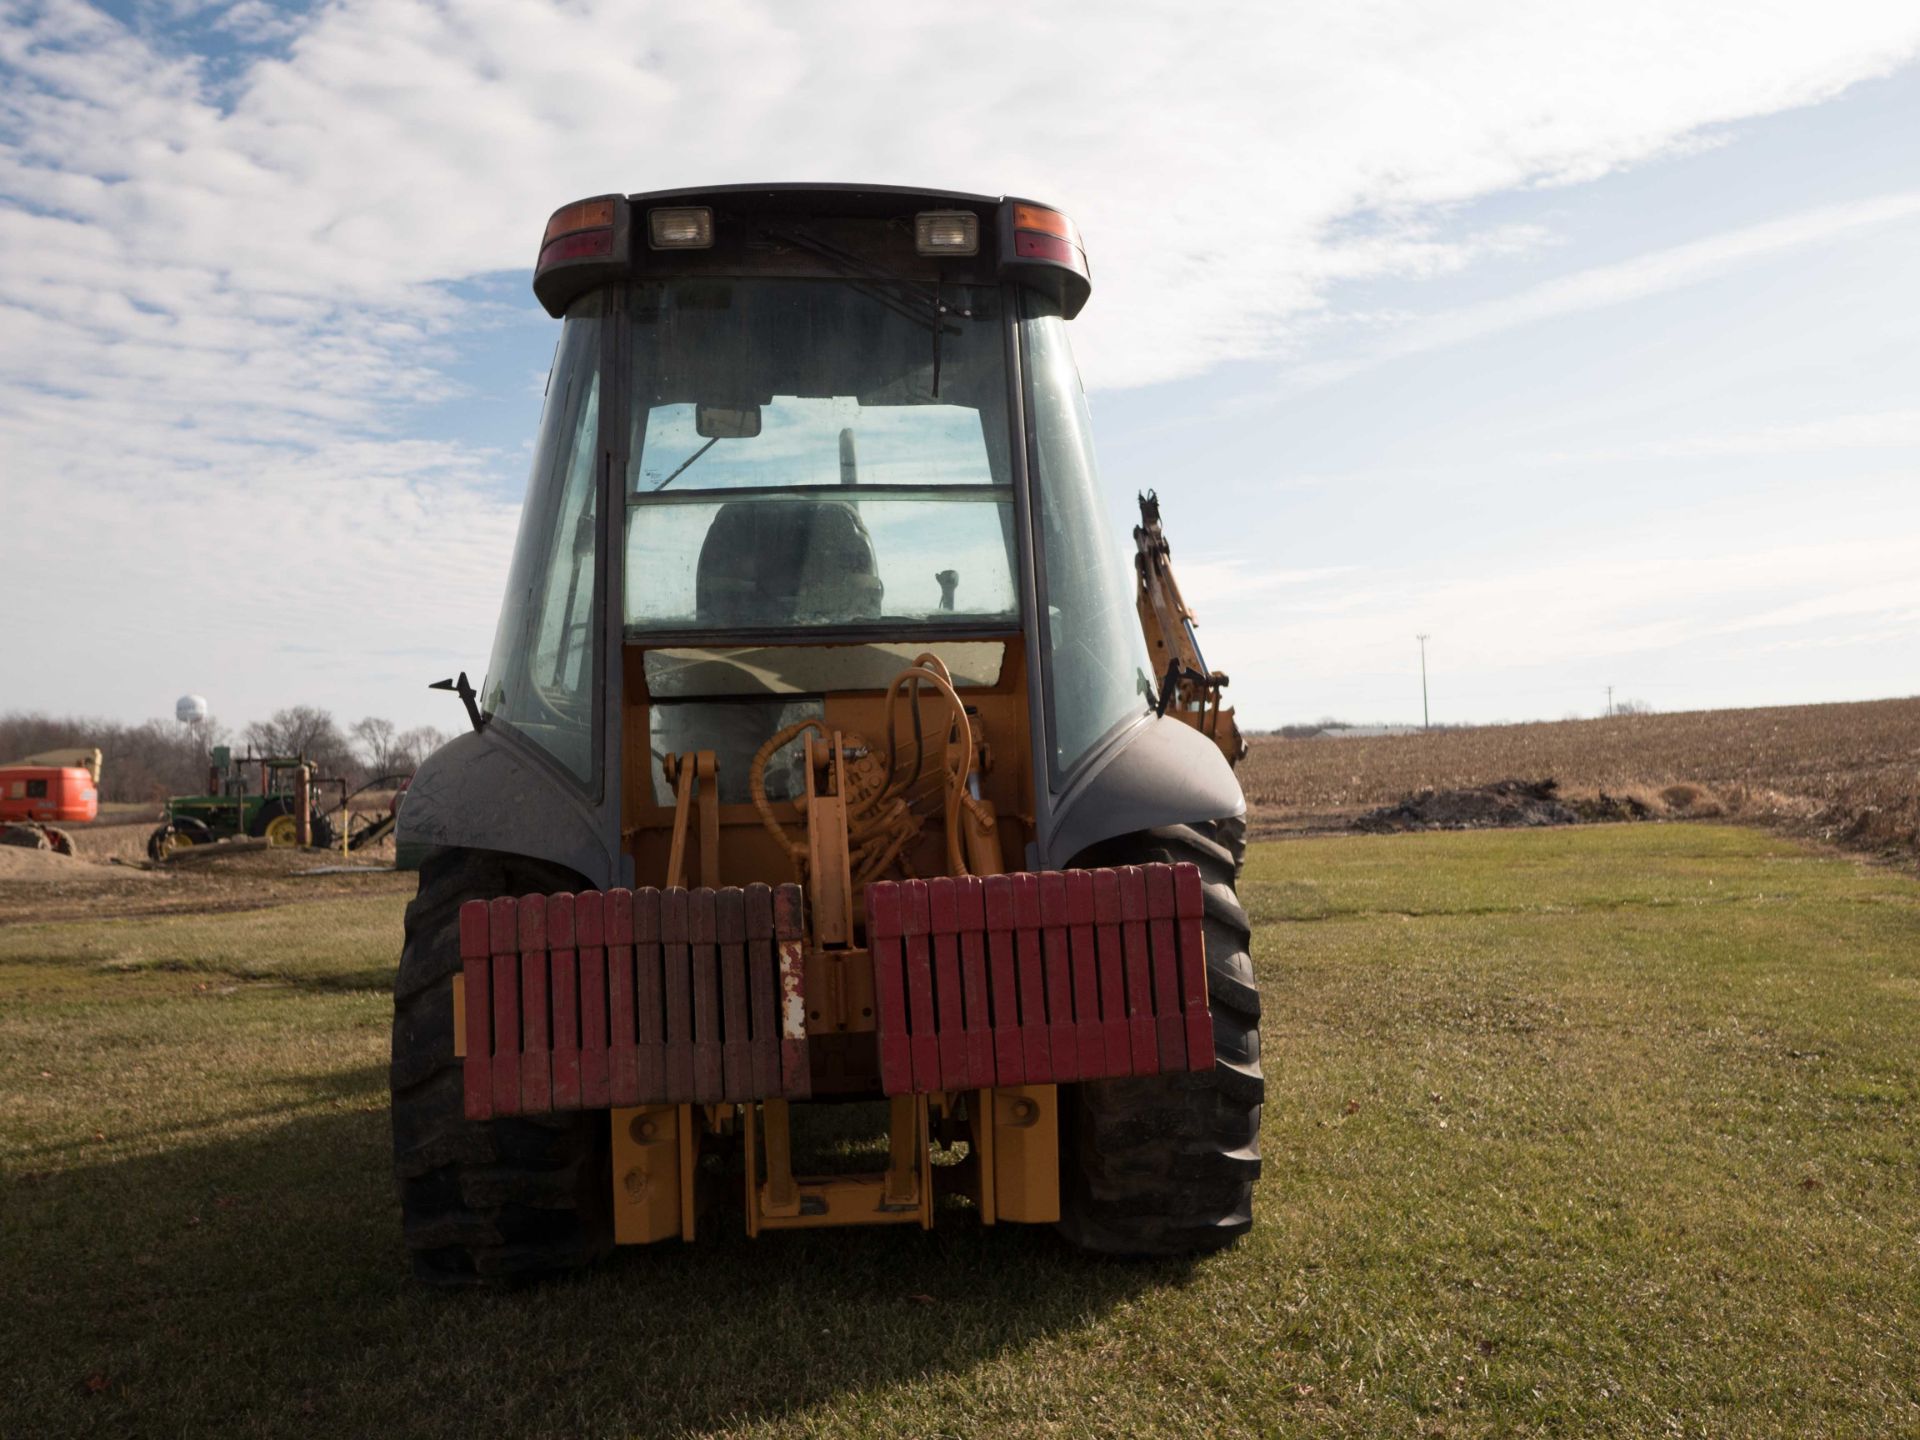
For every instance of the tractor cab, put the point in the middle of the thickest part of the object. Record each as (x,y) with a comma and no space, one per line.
(819,757)
(822,407)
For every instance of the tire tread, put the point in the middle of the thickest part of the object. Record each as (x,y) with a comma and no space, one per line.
(1166,1165)
(490,1202)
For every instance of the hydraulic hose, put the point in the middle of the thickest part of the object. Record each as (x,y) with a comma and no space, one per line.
(881,820)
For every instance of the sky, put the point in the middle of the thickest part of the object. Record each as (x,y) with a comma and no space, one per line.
(1584,340)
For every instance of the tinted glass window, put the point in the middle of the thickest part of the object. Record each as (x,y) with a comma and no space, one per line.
(815,454)
(1097,660)
(541,677)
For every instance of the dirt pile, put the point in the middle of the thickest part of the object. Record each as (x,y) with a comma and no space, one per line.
(1502,804)
(250,860)
(30,868)
(17,862)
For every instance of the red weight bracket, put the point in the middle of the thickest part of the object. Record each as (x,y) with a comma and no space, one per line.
(564,1008)
(633,997)
(476,955)
(789,936)
(503,925)
(536,988)
(1030,978)
(623,1055)
(590,934)
(763,985)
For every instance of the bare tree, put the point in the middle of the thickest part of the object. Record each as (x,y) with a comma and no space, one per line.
(378,739)
(304,730)
(412,747)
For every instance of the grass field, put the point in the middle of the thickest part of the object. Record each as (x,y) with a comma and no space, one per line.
(1601,1130)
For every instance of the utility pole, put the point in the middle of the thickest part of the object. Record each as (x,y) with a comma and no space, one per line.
(1426,720)
(1609,702)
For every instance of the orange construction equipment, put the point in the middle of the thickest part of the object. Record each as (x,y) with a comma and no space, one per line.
(40,792)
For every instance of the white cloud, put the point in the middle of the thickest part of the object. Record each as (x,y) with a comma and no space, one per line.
(1875,430)
(1637,279)
(222,282)
(1577,609)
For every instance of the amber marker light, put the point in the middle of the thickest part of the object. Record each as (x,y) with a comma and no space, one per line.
(1047,222)
(584,215)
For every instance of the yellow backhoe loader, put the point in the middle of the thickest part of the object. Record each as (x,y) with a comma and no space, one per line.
(830,847)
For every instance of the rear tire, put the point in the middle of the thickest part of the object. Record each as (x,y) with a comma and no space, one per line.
(1231,835)
(1166,1165)
(489,1202)
(177,835)
(275,823)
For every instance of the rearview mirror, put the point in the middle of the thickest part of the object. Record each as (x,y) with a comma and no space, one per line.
(726,422)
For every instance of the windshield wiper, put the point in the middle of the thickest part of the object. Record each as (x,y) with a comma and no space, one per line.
(687,463)
(871,279)
(932,319)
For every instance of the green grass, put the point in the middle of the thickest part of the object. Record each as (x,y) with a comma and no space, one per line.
(327,944)
(1599,1131)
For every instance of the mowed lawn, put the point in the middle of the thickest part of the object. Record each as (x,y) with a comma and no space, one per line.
(1572,1132)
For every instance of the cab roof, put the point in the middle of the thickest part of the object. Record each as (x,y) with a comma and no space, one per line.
(761,228)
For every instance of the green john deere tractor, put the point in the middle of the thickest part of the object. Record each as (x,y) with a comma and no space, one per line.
(247,796)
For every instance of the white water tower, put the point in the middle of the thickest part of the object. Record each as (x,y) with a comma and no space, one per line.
(191,712)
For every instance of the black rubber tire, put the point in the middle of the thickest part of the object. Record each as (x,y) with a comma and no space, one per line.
(490,1202)
(194,830)
(272,810)
(1166,1165)
(1231,835)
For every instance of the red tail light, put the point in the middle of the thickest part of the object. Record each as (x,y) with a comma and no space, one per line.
(577,246)
(1030,246)
(1043,234)
(585,244)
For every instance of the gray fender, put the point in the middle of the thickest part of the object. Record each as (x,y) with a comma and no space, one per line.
(1160,772)
(490,790)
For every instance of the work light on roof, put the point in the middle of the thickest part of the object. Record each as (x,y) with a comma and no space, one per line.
(682,227)
(946,232)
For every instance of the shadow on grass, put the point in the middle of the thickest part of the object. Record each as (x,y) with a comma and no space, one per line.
(256,1284)
(322,978)
(311,1091)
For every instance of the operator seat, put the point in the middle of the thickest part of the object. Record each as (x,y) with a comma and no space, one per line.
(787,562)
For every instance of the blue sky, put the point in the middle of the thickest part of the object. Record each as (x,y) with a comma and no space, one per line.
(1585,342)
(1750,436)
